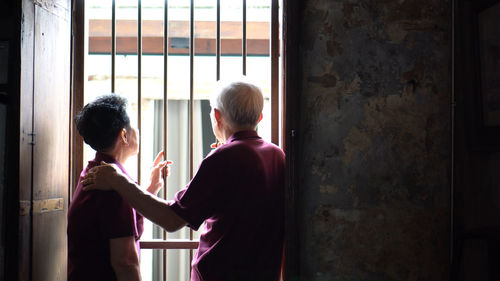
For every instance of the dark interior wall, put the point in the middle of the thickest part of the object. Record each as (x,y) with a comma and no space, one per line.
(3,117)
(477,159)
(375,158)
(10,19)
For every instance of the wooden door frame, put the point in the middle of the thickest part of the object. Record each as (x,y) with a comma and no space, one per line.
(77,89)
(291,135)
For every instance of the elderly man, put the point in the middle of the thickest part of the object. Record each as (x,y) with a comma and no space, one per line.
(237,191)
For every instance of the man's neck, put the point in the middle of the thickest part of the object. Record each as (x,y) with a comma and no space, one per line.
(228,132)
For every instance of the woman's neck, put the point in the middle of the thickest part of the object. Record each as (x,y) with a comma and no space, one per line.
(118,154)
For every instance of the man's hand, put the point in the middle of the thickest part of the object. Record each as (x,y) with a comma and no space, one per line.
(103,177)
(159,171)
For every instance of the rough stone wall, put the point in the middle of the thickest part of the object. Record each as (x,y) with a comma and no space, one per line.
(374,182)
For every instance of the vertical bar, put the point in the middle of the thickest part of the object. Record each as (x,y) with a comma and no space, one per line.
(191,87)
(274,72)
(244,38)
(165,116)
(452,160)
(217,63)
(139,82)
(113,44)
(165,87)
(191,103)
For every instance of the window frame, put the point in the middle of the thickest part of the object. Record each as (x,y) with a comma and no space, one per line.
(290,79)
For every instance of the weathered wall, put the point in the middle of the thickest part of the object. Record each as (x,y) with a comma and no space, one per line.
(374,182)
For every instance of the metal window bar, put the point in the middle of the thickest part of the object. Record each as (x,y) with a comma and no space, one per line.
(191,104)
(139,83)
(244,38)
(165,118)
(217,43)
(113,44)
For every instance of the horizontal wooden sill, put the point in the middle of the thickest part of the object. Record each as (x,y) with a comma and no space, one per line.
(169,244)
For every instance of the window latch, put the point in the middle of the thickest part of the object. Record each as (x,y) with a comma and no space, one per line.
(32,141)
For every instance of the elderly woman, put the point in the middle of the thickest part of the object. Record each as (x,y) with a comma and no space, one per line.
(103,229)
(237,191)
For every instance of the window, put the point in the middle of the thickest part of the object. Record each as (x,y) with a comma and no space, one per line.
(168,88)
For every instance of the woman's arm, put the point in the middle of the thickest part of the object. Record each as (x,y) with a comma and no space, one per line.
(125,259)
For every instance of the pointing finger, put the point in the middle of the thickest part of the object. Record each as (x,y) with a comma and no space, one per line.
(158,158)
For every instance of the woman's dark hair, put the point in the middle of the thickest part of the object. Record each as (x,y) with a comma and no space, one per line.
(101,121)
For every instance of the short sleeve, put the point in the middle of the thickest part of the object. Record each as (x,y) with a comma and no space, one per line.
(197,201)
(117,218)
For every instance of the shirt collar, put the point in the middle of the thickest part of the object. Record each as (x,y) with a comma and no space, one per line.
(243,135)
(99,156)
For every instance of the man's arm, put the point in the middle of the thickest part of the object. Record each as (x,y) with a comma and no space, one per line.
(155,209)
(106,177)
(124,258)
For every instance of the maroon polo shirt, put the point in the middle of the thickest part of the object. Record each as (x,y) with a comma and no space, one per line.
(95,217)
(238,192)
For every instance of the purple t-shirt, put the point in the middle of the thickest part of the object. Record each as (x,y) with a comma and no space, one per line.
(95,217)
(239,192)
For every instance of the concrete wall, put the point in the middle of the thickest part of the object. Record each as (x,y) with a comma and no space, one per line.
(374,180)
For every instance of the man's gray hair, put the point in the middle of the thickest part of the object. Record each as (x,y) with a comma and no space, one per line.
(240,104)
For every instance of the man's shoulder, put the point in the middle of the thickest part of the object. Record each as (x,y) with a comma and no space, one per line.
(241,151)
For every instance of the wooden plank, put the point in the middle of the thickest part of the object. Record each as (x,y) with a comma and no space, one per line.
(48,205)
(25,147)
(169,244)
(24,207)
(58,8)
(40,206)
(51,149)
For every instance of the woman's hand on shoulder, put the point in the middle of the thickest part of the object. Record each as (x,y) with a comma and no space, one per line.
(103,177)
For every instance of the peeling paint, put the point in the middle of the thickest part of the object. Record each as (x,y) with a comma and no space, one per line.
(326,80)
(396,33)
(333,48)
(328,189)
